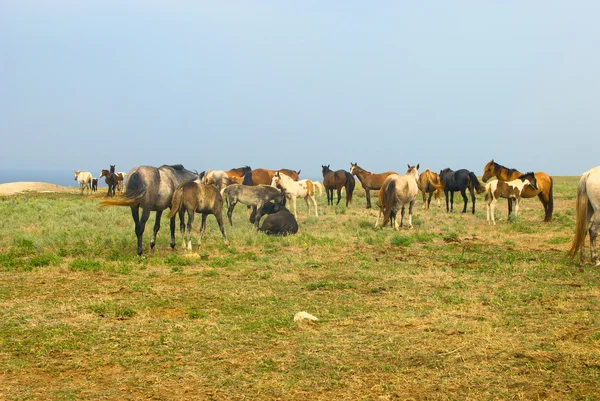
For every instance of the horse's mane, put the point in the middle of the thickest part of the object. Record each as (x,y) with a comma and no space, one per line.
(509,171)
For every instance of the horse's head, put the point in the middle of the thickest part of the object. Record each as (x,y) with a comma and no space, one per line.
(443,173)
(531,180)
(77,173)
(276,179)
(325,169)
(353,167)
(112,168)
(413,170)
(489,171)
(103,173)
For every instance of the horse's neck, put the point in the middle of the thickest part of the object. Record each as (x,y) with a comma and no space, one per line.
(507,174)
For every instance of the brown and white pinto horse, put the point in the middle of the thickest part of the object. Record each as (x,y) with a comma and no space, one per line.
(262,176)
(370,181)
(497,189)
(543,191)
(337,180)
(429,183)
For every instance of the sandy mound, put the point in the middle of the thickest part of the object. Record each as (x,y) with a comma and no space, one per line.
(12,188)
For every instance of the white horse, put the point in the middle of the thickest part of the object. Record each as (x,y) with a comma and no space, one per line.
(121,181)
(397,191)
(511,190)
(588,203)
(84,179)
(293,189)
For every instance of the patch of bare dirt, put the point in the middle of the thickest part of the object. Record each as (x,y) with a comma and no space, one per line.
(12,188)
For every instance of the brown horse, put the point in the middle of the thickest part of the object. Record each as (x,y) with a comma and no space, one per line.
(337,180)
(369,181)
(236,175)
(262,176)
(111,180)
(543,191)
(429,183)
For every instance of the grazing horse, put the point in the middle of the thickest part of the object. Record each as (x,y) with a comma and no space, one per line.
(151,189)
(588,203)
(94,184)
(293,189)
(544,185)
(193,197)
(84,180)
(279,220)
(369,181)
(254,196)
(262,176)
(429,183)
(460,180)
(337,180)
(497,189)
(121,181)
(111,180)
(397,191)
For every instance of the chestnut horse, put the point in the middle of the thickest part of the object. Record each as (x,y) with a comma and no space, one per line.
(337,180)
(588,203)
(262,176)
(236,175)
(543,191)
(429,183)
(369,181)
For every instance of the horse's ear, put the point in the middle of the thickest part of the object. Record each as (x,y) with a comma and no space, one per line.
(328,165)
(417,166)
(408,166)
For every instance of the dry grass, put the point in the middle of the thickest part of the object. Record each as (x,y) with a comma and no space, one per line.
(453,309)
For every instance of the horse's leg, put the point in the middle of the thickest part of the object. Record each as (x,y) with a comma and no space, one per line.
(368,196)
(219,217)
(202,229)
(547,207)
(593,236)
(339,194)
(510,205)
(191,215)
(410,209)
(156,228)
(182,226)
(473,198)
(230,211)
(315,203)
(447,203)
(140,226)
(487,208)
(463,193)
(402,217)
(516,206)
(429,200)
(172,231)
(424,194)
(258,216)
(492,207)
(451,201)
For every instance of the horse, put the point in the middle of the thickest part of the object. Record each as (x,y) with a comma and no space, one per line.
(193,197)
(262,176)
(337,180)
(293,189)
(94,184)
(318,187)
(279,220)
(121,181)
(429,183)
(460,180)
(151,189)
(84,180)
(396,191)
(236,175)
(369,181)
(588,203)
(544,183)
(218,178)
(254,196)
(111,180)
(497,189)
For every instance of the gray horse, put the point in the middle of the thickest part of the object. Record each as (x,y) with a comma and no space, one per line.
(151,189)
(254,196)
(193,197)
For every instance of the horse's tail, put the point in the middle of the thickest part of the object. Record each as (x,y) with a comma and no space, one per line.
(581,213)
(475,182)
(550,207)
(386,195)
(176,201)
(349,186)
(319,187)
(135,191)
(434,180)
(247,178)
(224,194)
(488,191)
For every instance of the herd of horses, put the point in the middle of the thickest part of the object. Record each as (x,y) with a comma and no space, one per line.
(114,180)
(267,191)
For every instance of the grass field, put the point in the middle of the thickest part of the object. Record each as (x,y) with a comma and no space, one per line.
(451,310)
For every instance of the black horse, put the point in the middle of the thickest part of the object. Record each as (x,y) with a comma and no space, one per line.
(460,180)
(279,220)
(336,180)
(151,189)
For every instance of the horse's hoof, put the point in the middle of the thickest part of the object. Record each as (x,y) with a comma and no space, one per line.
(226,242)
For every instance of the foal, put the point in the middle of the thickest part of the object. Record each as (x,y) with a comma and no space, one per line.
(293,189)
(510,190)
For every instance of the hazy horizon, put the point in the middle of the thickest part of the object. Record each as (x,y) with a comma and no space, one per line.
(300,84)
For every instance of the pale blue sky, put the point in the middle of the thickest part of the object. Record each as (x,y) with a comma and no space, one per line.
(297,84)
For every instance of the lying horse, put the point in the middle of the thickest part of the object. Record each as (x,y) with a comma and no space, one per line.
(84,180)
(111,180)
(151,189)
(588,203)
(262,176)
(460,180)
(429,183)
(369,181)
(510,190)
(544,185)
(279,220)
(395,193)
(254,196)
(336,180)
(193,197)
(294,189)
